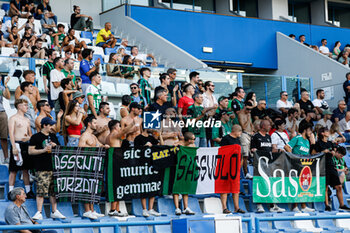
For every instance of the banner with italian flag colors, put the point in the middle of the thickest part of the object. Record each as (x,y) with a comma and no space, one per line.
(207,170)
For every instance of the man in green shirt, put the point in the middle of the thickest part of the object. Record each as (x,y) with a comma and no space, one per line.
(198,115)
(93,94)
(226,125)
(58,37)
(145,87)
(223,105)
(68,72)
(300,145)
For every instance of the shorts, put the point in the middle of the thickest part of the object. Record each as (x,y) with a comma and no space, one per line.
(3,126)
(27,161)
(332,178)
(101,44)
(245,144)
(44,184)
(72,141)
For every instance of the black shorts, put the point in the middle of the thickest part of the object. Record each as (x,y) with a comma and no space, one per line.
(27,164)
(332,178)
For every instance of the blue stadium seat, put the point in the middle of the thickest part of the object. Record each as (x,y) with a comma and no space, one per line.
(81,209)
(96,57)
(31,207)
(136,208)
(3,206)
(108,229)
(166,206)
(110,50)
(60,139)
(319,206)
(50,222)
(86,35)
(136,229)
(18,183)
(231,206)
(194,205)
(66,209)
(347,188)
(6,7)
(4,174)
(285,226)
(328,224)
(6,18)
(161,228)
(266,228)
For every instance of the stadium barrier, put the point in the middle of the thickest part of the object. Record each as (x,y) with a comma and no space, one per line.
(115,225)
(293,218)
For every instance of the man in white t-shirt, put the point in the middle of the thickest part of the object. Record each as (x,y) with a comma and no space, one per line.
(344,124)
(140,59)
(319,103)
(324,49)
(279,138)
(55,81)
(283,104)
(326,120)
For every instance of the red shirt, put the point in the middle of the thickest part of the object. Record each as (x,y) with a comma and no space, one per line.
(184,103)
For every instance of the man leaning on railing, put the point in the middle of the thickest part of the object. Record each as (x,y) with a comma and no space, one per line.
(16,212)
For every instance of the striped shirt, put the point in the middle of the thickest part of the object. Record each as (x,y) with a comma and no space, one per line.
(145,89)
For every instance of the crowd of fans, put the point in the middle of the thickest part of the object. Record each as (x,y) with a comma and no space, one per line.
(337,54)
(82,114)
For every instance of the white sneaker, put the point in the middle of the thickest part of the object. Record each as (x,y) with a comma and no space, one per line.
(113,213)
(97,214)
(260,208)
(177,211)
(145,213)
(154,213)
(307,209)
(248,176)
(120,214)
(296,209)
(188,211)
(277,209)
(38,216)
(57,214)
(89,215)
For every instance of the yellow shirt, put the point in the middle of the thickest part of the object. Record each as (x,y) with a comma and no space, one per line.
(99,37)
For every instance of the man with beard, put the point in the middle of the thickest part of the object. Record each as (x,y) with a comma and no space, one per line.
(133,117)
(40,147)
(88,139)
(102,130)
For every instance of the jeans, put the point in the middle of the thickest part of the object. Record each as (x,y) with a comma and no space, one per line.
(200,142)
(72,141)
(347,136)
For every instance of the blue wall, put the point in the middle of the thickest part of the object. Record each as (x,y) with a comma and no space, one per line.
(235,39)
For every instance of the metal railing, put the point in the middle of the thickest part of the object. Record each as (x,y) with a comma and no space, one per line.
(115,225)
(293,218)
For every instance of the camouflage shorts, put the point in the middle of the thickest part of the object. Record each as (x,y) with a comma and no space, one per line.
(44,183)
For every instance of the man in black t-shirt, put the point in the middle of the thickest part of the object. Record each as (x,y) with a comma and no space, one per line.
(79,21)
(259,112)
(231,139)
(40,147)
(161,103)
(261,141)
(305,104)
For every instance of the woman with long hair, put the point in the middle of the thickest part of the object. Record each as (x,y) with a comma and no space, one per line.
(73,123)
(251,97)
(128,72)
(112,67)
(24,49)
(336,49)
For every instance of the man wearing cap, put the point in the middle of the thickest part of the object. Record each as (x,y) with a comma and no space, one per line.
(319,103)
(80,98)
(326,120)
(40,147)
(132,118)
(136,95)
(226,125)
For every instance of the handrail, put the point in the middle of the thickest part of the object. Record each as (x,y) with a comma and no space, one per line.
(115,225)
(293,218)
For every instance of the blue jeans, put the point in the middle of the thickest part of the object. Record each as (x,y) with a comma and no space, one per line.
(72,141)
(347,136)
(200,142)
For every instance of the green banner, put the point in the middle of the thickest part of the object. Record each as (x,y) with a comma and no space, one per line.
(289,178)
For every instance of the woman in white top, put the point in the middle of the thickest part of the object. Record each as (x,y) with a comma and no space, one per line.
(279,138)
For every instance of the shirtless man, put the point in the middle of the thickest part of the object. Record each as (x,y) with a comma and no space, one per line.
(114,140)
(29,76)
(245,120)
(102,130)
(20,133)
(170,134)
(88,139)
(44,109)
(135,110)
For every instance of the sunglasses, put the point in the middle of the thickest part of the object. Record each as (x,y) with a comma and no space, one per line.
(133,87)
(46,104)
(212,85)
(285,94)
